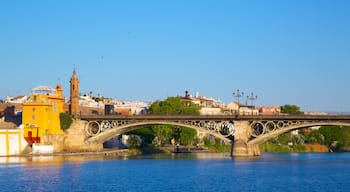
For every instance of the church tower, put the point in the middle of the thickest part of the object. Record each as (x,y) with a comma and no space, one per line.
(74,94)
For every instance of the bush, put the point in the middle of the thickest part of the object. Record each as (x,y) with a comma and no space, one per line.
(65,121)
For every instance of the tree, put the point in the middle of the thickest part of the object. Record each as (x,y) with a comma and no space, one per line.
(346,138)
(163,134)
(187,136)
(65,121)
(291,109)
(332,135)
(173,106)
(134,141)
(315,137)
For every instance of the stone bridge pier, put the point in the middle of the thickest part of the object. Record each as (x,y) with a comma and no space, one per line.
(240,147)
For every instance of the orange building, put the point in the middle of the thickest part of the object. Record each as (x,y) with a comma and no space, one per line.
(41,113)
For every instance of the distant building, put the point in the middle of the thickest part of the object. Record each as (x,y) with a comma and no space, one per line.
(7,110)
(232,107)
(248,110)
(210,111)
(123,111)
(269,110)
(18,99)
(41,113)
(240,109)
(201,100)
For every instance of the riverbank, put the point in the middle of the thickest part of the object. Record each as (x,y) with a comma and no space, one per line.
(168,150)
(305,148)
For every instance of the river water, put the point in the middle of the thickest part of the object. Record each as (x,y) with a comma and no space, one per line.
(180,172)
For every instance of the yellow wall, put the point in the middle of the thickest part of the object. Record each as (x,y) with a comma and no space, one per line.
(41,114)
(12,142)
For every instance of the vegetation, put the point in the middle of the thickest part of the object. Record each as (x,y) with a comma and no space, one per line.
(145,133)
(165,133)
(157,136)
(174,106)
(65,121)
(291,109)
(215,145)
(334,138)
(187,136)
(134,141)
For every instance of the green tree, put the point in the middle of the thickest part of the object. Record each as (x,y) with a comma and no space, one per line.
(65,121)
(291,109)
(346,138)
(134,141)
(332,134)
(187,136)
(173,106)
(145,133)
(315,137)
(163,134)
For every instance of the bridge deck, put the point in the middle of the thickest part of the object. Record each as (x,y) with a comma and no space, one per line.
(217,117)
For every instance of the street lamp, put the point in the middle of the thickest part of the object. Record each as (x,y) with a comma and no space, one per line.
(252,97)
(238,95)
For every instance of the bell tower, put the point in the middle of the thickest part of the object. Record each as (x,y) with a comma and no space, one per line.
(74,94)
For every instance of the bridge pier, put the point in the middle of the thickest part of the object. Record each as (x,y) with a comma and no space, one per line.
(240,146)
(74,140)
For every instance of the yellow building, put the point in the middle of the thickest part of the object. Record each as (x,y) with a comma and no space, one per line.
(41,113)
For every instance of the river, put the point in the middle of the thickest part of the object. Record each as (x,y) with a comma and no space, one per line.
(180,172)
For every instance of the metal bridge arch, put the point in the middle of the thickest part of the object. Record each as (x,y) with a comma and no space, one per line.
(259,139)
(108,133)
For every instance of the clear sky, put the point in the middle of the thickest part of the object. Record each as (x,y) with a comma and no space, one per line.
(285,51)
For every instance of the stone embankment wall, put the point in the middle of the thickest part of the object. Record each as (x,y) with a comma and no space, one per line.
(73,140)
(242,135)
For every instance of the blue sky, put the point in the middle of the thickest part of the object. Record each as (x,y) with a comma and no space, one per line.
(295,52)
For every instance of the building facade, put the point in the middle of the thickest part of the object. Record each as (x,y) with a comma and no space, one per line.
(269,110)
(41,113)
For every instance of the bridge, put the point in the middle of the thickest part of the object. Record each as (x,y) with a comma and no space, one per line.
(248,131)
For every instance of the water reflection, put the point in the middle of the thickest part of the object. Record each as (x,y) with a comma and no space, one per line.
(57,160)
(177,172)
(61,159)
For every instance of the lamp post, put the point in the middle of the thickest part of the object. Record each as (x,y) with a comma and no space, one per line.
(238,95)
(252,97)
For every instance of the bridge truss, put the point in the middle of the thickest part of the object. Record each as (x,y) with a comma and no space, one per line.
(262,128)
(265,129)
(102,129)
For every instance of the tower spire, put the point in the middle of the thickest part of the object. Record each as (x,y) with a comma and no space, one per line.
(74,94)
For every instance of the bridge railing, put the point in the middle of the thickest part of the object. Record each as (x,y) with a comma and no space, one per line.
(218,117)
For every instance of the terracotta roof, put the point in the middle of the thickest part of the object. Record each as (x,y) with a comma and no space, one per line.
(7,125)
(3,106)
